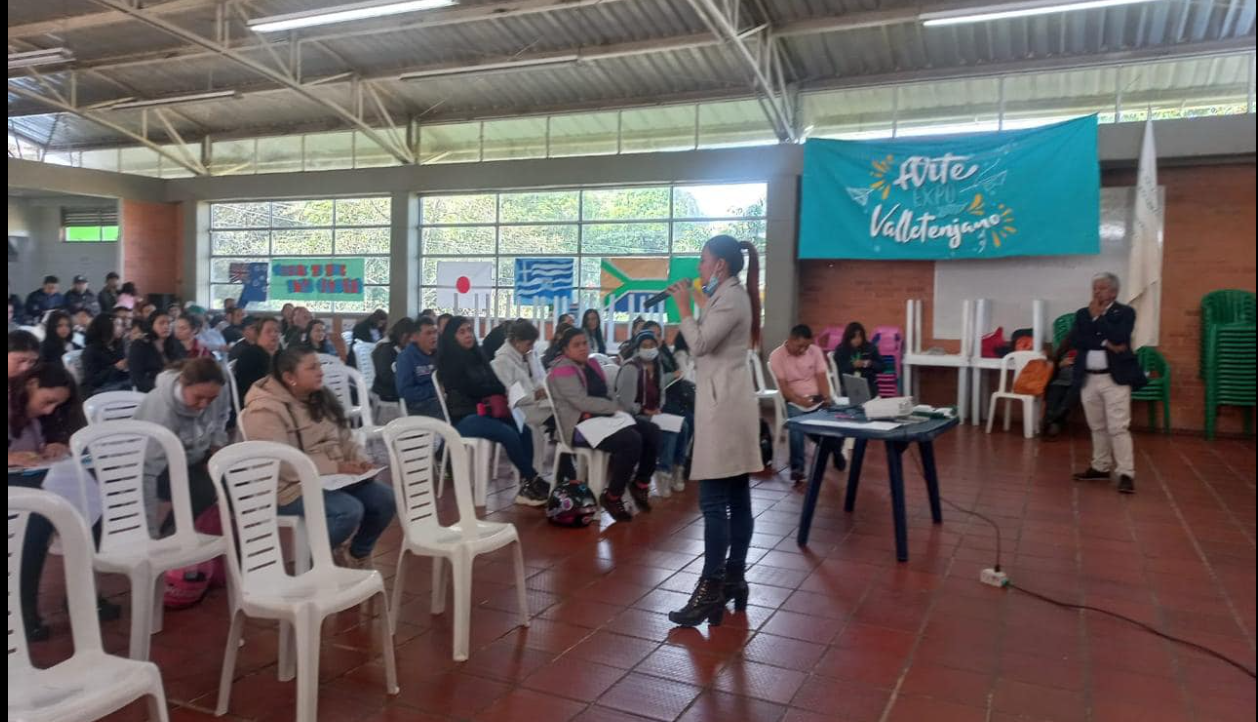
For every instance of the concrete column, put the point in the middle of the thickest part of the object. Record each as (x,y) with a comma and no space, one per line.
(780,281)
(404,256)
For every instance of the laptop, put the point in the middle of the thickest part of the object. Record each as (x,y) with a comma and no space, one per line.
(856,389)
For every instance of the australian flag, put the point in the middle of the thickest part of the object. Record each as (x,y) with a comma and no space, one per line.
(253,276)
(544,278)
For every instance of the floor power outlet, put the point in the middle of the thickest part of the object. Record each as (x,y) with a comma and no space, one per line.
(994,578)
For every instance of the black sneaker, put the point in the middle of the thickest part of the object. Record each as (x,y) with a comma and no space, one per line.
(1126,485)
(1091,475)
(641,496)
(533,492)
(615,507)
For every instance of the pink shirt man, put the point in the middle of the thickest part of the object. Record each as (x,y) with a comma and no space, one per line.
(799,372)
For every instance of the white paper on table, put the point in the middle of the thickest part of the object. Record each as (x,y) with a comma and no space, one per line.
(806,409)
(516,394)
(668,422)
(867,425)
(63,480)
(600,427)
(332,482)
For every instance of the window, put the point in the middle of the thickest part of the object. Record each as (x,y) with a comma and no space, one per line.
(89,225)
(262,230)
(587,225)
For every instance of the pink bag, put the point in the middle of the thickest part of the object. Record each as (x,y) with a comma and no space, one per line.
(187,586)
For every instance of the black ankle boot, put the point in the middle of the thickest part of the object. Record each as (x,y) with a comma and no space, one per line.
(707,602)
(736,589)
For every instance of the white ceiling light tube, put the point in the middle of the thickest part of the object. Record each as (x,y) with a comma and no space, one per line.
(176,99)
(37,58)
(1015,10)
(343,14)
(489,67)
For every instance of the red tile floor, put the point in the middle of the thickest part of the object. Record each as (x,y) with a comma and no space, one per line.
(837,631)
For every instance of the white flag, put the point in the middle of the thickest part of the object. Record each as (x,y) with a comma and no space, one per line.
(1143,286)
(464,279)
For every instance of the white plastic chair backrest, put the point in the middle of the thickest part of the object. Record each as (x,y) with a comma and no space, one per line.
(247,475)
(560,432)
(36,331)
(118,450)
(73,361)
(602,359)
(339,379)
(833,370)
(441,395)
(1014,361)
(76,552)
(327,359)
(112,406)
(414,462)
(757,371)
(235,391)
(362,354)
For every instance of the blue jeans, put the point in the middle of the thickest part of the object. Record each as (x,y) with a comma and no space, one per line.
(367,506)
(673,447)
(519,445)
(796,440)
(727,524)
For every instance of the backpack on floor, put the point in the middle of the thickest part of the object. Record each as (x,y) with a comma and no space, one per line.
(187,586)
(571,504)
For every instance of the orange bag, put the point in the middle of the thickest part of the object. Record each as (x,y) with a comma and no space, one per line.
(1033,378)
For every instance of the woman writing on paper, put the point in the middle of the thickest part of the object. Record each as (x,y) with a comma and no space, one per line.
(640,389)
(291,407)
(580,392)
(727,420)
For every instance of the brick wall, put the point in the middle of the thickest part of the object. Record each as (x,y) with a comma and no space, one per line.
(151,245)
(1209,244)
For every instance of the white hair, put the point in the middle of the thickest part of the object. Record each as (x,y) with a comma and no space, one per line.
(1109,278)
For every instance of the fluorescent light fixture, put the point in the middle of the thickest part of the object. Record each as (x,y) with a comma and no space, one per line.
(36,58)
(176,99)
(490,67)
(343,14)
(1015,10)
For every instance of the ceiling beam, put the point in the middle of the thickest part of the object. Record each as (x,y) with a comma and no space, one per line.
(96,20)
(280,78)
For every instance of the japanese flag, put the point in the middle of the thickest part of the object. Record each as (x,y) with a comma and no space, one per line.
(462,280)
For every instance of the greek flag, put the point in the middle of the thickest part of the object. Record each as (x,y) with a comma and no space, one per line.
(544,278)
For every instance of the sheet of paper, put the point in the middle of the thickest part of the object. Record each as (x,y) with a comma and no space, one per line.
(332,482)
(668,422)
(63,480)
(599,428)
(866,425)
(806,409)
(516,394)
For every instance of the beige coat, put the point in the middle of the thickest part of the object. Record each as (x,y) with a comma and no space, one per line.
(727,415)
(271,413)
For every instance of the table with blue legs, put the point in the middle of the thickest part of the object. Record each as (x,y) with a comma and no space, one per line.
(830,440)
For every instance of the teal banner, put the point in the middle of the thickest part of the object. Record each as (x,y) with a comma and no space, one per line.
(1014,193)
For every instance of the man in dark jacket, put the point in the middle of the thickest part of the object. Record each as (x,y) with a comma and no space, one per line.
(1106,372)
(80,297)
(44,299)
(108,296)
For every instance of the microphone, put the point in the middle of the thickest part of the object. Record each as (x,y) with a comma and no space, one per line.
(661,297)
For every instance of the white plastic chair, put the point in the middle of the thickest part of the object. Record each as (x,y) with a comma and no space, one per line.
(90,684)
(118,450)
(836,385)
(112,406)
(592,464)
(248,475)
(1014,362)
(412,444)
(73,361)
(482,451)
(367,367)
(339,379)
(765,392)
(235,391)
(327,359)
(36,331)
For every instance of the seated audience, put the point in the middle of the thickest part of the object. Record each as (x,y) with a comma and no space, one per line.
(385,356)
(415,365)
(640,390)
(316,339)
(592,324)
(23,352)
(13,324)
(286,317)
(174,310)
(625,352)
(187,399)
(187,344)
(803,379)
(254,363)
(477,405)
(248,337)
(429,313)
(149,354)
(234,330)
(81,297)
(495,338)
(44,299)
(104,359)
(128,296)
(58,337)
(442,320)
(108,296)
(552,351)
(371,329)
(297,326)
(1062,394)
(512,364)
(856,356)
(580,392)
(291,407)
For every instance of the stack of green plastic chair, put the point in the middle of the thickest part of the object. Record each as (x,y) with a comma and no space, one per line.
(1158,390)
(1228,323)
(1061,328)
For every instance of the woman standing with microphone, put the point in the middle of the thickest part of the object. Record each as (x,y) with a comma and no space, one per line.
(727,421)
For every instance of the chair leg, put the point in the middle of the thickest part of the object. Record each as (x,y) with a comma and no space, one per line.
(1008,413)
(462,573)
(287,668)
(522,595)
(155,700)
(159,603)
(308,630)
(441,471)
(991,413)
(386,643)
(1028,412)
(229,662)
(141,614)
(438,585)
(399,581)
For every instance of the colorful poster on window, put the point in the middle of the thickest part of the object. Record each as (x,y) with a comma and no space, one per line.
(253,280)
(630,281)
(992,195)
(544,278)
(317,279)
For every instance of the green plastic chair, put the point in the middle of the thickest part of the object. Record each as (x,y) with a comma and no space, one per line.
(1226,306)
(1158,390)
(1061,328)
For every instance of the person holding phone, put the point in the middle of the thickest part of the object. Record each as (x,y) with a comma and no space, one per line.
(799,367)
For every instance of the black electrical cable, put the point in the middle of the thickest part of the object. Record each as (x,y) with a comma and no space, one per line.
(1087,607)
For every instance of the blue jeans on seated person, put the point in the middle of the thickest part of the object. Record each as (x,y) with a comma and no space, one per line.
(519,445)
(796,440)
(673,447)
(367,506)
